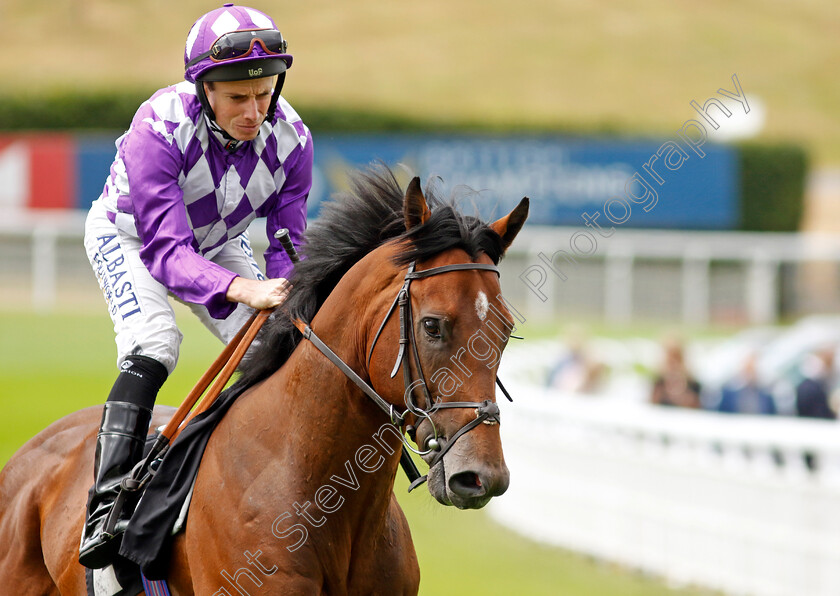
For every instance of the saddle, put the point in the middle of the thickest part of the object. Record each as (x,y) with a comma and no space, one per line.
(159,511)
(168,481)
(165,477)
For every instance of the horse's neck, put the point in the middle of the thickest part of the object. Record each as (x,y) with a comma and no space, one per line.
(328,430)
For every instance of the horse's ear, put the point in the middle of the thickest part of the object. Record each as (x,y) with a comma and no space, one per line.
(414,207)
(508,226)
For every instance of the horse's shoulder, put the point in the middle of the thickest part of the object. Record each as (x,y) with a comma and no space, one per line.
(395,550)
(398,524)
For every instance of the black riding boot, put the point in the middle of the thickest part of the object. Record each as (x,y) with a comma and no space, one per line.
(119,446)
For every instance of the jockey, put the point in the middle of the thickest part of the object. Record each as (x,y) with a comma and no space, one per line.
(201,160)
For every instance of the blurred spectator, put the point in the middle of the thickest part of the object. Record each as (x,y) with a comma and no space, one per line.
(744,394)
(675,386)
(576,371)
(814,391)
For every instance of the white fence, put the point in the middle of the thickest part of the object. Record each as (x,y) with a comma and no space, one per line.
(696,277)
(42,249)
(741,504)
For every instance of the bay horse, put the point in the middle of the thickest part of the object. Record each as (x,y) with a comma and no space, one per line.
(294,494)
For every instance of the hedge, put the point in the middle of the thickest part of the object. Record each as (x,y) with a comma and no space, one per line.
(110,110)
(772,186)
(104,110)
(772,174)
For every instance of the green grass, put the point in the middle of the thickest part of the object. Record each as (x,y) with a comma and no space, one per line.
(51,365)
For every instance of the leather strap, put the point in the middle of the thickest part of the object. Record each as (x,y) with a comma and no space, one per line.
(487,412)
(307,332)
(448,268)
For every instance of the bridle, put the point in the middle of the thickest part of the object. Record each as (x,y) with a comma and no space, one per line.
(486,412)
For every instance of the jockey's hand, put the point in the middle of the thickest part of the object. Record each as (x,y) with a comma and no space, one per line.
(259,294)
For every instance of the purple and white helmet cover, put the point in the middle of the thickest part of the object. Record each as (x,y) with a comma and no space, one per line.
(216,23)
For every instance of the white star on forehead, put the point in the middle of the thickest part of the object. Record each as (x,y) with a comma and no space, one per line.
(224,24)
(481,305)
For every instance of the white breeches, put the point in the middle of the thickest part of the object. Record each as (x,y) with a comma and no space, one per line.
(144,321)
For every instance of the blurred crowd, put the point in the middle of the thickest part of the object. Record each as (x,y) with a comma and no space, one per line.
(806,385)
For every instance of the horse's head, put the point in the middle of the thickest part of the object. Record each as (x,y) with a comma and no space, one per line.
(440,348)
(408,297)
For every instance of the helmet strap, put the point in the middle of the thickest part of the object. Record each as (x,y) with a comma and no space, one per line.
(205,103)
(272,106)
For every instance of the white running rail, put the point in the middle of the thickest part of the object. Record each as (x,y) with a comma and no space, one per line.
(721,501)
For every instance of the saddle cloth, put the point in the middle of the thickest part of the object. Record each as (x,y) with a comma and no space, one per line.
(105,582)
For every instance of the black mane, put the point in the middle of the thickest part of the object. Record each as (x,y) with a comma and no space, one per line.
(350,226)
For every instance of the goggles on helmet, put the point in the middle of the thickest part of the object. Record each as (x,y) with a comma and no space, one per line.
(241,43)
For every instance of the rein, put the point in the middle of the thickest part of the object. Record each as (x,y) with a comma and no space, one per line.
(486,412)
(221,371)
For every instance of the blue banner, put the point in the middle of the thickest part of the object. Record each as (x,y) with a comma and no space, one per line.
(573,182)
(635,183)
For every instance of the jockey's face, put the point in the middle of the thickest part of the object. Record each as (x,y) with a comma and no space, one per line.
(241,106)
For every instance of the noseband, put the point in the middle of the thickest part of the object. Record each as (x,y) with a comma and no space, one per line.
(486,412)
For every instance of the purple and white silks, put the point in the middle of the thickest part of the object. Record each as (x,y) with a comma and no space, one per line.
(174,186)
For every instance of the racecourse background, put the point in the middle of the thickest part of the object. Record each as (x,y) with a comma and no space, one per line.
(538,65)
(543,64)
(53,364)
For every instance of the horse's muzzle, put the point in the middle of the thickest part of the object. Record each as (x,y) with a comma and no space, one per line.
(474,487)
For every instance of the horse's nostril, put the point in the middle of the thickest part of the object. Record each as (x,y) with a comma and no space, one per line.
(466,484)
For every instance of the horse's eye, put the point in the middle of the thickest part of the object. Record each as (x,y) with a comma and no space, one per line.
(432,328)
